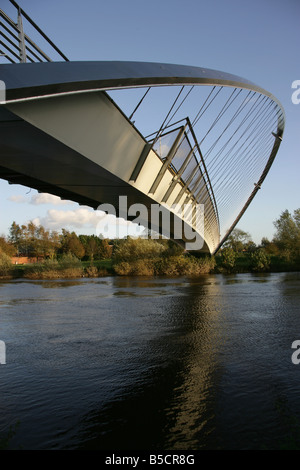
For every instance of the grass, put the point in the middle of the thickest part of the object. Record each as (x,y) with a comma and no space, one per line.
(66,268)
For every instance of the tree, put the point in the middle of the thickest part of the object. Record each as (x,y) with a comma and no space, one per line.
(54,244)
(5,263)
(270,248)
(260,260)
(287,235)
(70,243)
(15,236)
(228,258)
(7,247)
(91,248)
(238,240)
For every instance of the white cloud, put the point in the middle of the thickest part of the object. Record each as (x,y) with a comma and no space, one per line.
(39,198)
(17,198)
(81,217)
(45,198)
(86,218)
(56,219)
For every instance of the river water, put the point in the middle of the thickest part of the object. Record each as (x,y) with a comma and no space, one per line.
(119,363)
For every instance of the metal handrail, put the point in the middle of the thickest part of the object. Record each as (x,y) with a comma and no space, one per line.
(201,164)
(23,42)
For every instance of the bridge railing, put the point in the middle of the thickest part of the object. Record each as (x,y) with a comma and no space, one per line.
(179,150)
(16,46)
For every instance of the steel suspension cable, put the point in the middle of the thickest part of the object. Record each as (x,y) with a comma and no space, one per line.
(255,153)
(237,152)
(240,163)
(139,103)
(162,126)
(238,128)
(179,106)
(257,125)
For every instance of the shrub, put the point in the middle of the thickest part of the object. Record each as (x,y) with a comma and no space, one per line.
(123,268)
(228,258)
(260,260)
(92,271)
(5,264)
(134,249)
(135,268)
(68,260)
(68,266)
(147,257)
(184,265)
(48,264)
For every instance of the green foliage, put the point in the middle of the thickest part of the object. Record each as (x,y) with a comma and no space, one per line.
(68,260)
(62,254)
(239,240)
(228,258)
(71,244)
(5,264)
(138,267)
(287,235)
(260,260)
(6,247)
(139,248)
(32,240)
(96,248)
(147,257)
(173,249)
(270,247)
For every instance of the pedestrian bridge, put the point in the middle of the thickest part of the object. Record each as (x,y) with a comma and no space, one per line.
(193,142)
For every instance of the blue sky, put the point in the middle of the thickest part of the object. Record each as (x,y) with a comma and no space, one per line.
(257,39)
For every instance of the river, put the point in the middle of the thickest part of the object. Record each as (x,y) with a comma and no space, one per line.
(151,363)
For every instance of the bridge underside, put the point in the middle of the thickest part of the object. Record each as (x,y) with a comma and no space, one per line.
(83,149)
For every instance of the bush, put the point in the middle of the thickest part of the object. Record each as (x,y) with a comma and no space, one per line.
(134,249)
(144,257)
(5,264)
(135,268)
(184,265)
(92,271)
(68,260)
(68,266)
(49,264)
(260,260)
(228,258)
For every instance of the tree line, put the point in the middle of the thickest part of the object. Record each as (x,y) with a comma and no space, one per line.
(239,252)
(35,241)
(282,251)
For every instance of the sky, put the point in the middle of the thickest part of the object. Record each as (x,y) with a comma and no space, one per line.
(258,40)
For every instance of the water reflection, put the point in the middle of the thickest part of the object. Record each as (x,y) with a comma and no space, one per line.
(140,363)
(171,405)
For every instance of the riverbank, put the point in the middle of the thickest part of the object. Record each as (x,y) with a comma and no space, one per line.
(172,266)
(245,263)
(56,270)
